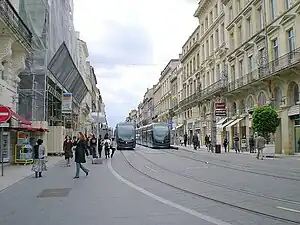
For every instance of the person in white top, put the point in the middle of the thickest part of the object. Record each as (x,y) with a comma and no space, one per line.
(113,146)
(106,144)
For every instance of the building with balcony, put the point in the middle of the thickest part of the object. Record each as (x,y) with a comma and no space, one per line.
(156,102)
(264,67)
(204,71)
(165,101)
(15,45)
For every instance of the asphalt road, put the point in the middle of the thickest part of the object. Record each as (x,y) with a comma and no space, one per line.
(160,187)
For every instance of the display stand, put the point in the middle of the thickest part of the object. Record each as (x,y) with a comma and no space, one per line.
(23,154)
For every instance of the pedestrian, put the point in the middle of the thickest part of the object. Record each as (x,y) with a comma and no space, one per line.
(113,146)
(195,141)
(236,143)
(39,162)
(67,147)
(185,137)
(260,145)
(106,144)
(93,144)
(80,152)
(251,144)
(225,144)
(100,146)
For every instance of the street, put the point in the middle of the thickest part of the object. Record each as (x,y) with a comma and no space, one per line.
(148,186)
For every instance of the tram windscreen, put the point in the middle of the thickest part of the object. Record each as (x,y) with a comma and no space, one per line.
(161,131)
(126,132)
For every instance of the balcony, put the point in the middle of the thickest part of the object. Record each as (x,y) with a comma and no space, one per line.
(13,21)
(278,66)
(206,93)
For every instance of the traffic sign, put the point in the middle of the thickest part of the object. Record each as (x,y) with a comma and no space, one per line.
(5,114)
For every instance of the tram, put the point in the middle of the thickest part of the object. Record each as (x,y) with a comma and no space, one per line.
(155,135)
(125,134)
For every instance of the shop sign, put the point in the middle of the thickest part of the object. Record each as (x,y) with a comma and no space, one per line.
(66,105)
(220,109)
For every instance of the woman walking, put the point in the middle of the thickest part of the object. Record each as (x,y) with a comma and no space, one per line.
(80,152)
(39,163)
(68,144)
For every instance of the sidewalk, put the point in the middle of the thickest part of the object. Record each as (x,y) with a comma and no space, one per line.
(15,173)
(269,151)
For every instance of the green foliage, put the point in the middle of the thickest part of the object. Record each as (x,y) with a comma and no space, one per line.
(265,120)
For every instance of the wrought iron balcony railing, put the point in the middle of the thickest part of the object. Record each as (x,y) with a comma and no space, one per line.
(270,69)
(207,92)
(15,23)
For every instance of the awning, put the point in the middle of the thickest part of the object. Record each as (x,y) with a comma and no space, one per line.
(220,122)
(37,129)
(19,118)
(233,123)
(224,125)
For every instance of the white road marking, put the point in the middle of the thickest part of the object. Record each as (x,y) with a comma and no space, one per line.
(165,201)
(288,209)
(149,168)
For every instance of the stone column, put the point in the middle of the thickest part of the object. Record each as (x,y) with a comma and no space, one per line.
(287,130)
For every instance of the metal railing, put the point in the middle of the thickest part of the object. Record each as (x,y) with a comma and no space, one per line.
(272,68)
(205,93)
(12,20)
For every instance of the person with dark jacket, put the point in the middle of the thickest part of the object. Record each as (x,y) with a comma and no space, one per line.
(80,152)
(67,147)
(195,141)
(100,146)
(93,146)
(185,137)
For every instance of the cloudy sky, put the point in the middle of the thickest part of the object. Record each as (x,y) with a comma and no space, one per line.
(130,42)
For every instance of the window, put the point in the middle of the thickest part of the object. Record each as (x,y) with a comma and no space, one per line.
(222,32)
(212,44)
(238,5)
(288,4)
(213,75)
(232,41)
(216,11)
(232,73)
(195,86)
(291,40)
(260,20)
(202,28)
(249,27)
(262,100)
(275,53)
(208,79)
(211,18)
(203,52)
(273,9)
(218,72)
(206,23)
(207,49)
(198,60)
(230,13)
(240,35)
(250,63)
(217,38)
(241,68)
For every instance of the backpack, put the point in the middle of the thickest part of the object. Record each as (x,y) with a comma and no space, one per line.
(106,145)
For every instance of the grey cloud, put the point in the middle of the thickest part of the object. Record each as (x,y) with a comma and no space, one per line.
(123,45)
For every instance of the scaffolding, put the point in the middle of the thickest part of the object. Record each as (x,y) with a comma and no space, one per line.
(54,51)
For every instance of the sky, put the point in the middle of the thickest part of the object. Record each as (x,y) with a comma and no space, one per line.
(130,42)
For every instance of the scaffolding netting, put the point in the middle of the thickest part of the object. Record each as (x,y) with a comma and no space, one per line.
(51,24)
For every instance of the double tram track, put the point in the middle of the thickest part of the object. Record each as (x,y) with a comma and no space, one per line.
(273,217)
(235,168)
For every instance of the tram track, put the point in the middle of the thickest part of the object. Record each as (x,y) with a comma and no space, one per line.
(251,211)
(220,185)
(235,168)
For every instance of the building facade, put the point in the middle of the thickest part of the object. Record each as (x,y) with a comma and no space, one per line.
(156,101)
(165,100)
(263,60)
(15,45)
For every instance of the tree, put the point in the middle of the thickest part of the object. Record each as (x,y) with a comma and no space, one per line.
(265,120)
